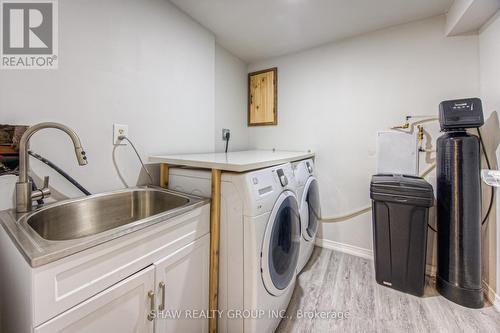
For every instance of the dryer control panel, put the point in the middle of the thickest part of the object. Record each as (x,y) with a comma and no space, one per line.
(302,170)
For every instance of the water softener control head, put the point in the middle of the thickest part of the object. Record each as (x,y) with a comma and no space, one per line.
(461,114)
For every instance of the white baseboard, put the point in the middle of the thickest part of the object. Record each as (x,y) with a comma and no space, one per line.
(345,248)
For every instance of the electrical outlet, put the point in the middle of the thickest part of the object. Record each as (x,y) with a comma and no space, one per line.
(224,131)
(118,130)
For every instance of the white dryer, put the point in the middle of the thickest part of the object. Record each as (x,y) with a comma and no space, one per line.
(259,244)
(309,207)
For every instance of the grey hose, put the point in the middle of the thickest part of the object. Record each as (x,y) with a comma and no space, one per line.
(366,209)
(59,171)
(123,137)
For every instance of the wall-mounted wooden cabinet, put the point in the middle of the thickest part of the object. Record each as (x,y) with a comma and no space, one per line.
(263,97)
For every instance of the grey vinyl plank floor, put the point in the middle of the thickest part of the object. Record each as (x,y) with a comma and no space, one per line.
(335,284)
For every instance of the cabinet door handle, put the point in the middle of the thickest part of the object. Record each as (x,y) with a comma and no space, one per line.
(162,288)
(151,314)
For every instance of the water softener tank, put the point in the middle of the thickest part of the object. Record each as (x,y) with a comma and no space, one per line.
(459,204)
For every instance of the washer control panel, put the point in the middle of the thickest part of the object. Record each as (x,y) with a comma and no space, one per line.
(282,177)
(265,185)
(309,167)
(262,182)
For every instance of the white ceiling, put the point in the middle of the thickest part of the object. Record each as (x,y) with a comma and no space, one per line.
(259,29)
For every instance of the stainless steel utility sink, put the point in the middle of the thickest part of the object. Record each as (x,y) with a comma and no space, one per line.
(93,215)
(58,230)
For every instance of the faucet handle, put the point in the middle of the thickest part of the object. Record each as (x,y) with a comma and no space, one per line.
(42,193)
(45,190)
(46,182)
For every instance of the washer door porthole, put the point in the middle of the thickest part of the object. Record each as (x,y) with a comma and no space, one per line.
(281,245)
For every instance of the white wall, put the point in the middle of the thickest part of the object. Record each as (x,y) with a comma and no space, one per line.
(333,99)
(141,63)
(230,100)
(468,16)
(490,93)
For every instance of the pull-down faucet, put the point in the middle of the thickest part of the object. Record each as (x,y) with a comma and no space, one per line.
(24,194)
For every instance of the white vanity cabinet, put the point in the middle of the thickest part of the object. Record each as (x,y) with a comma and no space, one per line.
(123,307)
(119,286)
(133,305)
(182,289)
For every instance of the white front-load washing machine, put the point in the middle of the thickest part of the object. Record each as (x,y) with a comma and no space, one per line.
(259,243)
(309,207)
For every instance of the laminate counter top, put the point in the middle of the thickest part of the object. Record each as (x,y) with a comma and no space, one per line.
(239,161)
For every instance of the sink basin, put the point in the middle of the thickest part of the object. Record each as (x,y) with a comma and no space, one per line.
(64,228)
(95,214)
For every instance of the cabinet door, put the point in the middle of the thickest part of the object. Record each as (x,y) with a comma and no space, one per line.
(122,308)
(262,98)
(182,289)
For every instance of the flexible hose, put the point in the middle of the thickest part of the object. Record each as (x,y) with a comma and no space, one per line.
(411,127)
(59,171)
(346,216)
(123,137)
(227,136)
(492,195)
(366,209)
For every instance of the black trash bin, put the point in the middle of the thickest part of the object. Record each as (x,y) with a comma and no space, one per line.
(400,208)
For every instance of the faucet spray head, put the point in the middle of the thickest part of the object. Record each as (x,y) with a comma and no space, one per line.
(81,156)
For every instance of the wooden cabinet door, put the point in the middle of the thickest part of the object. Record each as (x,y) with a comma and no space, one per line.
(182,289)
(262,98)
(122,308)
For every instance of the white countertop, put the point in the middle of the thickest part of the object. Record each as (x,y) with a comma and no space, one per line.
(239,161)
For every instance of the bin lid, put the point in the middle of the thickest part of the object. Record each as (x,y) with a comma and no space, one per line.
(405,189)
